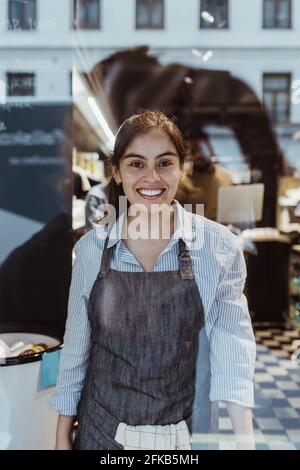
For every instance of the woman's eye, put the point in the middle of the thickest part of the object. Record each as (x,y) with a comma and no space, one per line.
(165,163)
(136,164)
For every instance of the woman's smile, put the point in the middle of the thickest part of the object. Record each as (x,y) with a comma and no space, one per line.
(151,193)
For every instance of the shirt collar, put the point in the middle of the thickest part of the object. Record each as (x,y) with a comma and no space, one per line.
(182,220)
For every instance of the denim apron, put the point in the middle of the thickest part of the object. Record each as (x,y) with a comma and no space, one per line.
(147,336)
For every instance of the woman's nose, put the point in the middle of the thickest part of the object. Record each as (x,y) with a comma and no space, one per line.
(152,174)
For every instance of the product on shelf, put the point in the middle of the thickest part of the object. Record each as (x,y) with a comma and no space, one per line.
(36,348)
(20,348)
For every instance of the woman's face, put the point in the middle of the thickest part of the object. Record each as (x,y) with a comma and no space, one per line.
(150,169)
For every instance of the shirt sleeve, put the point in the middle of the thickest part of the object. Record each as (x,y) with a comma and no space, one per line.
(75,351)
(232,340)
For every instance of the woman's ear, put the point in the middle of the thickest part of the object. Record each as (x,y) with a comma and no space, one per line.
(116,175)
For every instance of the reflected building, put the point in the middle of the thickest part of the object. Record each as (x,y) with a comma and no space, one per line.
(257,42)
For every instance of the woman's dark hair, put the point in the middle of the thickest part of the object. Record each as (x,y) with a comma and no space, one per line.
(132,127)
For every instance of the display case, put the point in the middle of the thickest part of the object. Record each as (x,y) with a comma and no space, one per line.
(294,309)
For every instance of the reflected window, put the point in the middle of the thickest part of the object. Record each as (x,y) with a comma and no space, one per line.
(20,84)
(277,96)
(86,14)
(214,14)
(150,14)
(277,14)
(22,14)
(71,83)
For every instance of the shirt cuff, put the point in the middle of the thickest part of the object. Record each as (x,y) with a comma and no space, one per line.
(235,389)
(65,404)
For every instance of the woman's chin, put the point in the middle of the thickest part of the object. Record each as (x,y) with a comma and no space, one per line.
(153,205)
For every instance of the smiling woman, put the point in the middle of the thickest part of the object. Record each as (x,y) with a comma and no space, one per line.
(158,328)
(148,160)
(150,169)
(148,164)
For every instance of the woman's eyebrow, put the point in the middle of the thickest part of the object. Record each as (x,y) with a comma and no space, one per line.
(136,155)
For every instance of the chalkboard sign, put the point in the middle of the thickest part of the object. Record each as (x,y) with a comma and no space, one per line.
(35,212)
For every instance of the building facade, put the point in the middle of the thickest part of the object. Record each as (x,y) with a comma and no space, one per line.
(257,41)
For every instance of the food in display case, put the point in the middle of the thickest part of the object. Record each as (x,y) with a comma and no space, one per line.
(21,348)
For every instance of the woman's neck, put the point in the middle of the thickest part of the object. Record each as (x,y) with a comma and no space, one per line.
(150,225)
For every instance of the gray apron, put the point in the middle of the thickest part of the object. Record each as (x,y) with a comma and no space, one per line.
(146,329)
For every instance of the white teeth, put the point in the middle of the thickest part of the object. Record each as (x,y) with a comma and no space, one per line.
(150,192)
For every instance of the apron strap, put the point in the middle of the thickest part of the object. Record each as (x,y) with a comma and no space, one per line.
(105,259)
(185,261)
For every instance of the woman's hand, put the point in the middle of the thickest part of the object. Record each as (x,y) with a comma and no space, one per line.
(65,433)
(64,444)
(241,419)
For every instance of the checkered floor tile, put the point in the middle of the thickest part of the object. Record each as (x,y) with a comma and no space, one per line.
(282,340)
(277,395)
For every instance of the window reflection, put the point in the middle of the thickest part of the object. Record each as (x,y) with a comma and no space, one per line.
(149,14)
(20,84)
(214,14)
(86,14)
(277,96)
(277,14)
(22,14)
(236,93)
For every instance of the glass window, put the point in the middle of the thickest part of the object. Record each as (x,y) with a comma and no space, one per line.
(214,14)
(20,84)
(277,96)
(22,15)
(86,14)
(150,14)
(277,14)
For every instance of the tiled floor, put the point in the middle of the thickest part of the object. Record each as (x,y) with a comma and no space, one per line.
(277,396)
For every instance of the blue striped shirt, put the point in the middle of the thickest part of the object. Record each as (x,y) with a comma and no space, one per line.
(220,273)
